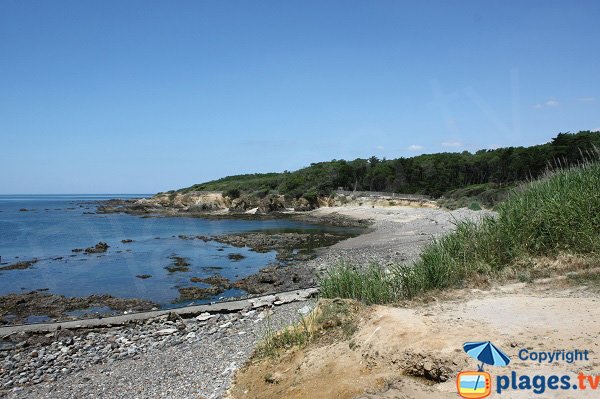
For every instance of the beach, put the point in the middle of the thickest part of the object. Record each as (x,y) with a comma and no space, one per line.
(202,357)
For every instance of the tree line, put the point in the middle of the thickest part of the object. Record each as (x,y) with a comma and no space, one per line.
(429,174)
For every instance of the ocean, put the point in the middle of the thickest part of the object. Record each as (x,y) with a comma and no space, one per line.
(49,227)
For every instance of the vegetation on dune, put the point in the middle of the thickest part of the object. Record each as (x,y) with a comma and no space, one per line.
(488,174)
(558,213)
(336,317)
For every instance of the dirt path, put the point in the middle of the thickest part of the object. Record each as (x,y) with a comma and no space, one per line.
(416,352)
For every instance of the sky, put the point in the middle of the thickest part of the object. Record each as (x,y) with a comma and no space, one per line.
(147,96)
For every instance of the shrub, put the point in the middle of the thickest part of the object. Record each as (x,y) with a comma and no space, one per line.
(232,193)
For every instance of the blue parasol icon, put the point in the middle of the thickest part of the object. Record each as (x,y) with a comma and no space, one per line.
(487,353)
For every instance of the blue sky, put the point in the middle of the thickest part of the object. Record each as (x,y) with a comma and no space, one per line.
(146,96)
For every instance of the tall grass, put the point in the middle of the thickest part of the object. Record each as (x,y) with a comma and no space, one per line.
(370,285)
(557,213)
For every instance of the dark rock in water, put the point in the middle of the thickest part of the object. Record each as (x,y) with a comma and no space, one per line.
(235,257)
(57,306)
(284,242)
(127,241)
(189,293)
(175,269)
(23,210)
(77,250)
(276,279)
(180,264)
(98,248)
(144,276)
(216,280)
(20,265)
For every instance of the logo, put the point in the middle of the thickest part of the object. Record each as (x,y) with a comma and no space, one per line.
(478,384)
(474,384)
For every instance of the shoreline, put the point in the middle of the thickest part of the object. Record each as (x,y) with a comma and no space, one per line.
(41,305)
(393,236)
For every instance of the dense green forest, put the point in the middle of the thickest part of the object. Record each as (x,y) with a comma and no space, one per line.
(430,174)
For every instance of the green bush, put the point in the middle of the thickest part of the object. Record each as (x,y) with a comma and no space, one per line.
(232,193)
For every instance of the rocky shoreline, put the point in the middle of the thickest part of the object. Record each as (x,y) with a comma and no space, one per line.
(30,358)
(57,307)
(166,357)
(288,273)
(209,204)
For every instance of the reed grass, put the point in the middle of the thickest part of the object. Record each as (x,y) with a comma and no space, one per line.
(559,213)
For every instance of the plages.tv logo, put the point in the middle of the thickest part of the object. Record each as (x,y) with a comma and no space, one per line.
(478,384)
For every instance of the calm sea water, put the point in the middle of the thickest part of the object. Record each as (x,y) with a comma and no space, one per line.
(53,225)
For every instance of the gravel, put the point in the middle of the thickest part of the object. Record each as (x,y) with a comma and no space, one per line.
(158,358)
(399,234)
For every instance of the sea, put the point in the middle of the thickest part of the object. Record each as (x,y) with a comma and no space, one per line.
(49,227)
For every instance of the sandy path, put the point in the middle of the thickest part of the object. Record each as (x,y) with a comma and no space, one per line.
(423,340)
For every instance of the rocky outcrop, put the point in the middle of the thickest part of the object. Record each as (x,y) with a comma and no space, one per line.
(243,204)
(20,306)
(303,205)
(271,203)
(215,203)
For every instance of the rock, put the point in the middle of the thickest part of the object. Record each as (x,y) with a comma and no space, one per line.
(167,331)
(272,203)
(216,279)
(273,378)
(98,248)
(179,264)
(262,302)
(6,346)
(303,205)
(20,265)
(242,204)
(204,316)
(235,257)
(190,293)
(304,310)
